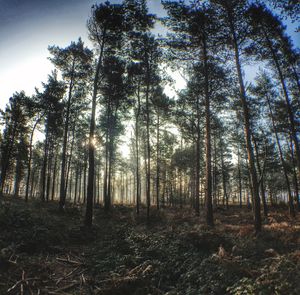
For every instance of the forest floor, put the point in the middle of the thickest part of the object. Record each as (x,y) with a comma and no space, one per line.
(43,251)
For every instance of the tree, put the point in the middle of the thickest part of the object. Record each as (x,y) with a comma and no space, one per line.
(74,62)
(235,35)
(265,89)
(105,27)
(267,33)
(197,28)
(291,8)
(50,101)
(115,106)
(138,22)
(15,138)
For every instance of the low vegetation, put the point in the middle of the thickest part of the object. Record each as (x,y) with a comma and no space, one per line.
(47,252)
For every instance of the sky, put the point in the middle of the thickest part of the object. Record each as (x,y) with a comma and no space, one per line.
(28,27)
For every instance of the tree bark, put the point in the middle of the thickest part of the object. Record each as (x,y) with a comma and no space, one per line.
(287,181)
(247,131)
(91,147)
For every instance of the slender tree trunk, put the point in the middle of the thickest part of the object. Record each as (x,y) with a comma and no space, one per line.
(80,183)
(110,171)
(262,187)
(157,160)
(76,183)
(148,153)
(138,180)
(62,198)
(198,151)
(91,171)
(296,187)
(17,176)
(105,178)
(70,159)
(54,177)
(208,178)
(30,159)
(283,165)
(48,177)
(239,178)
(225,196)
(84,180)
(214,186)
(287,100)
(254,181)
(44,167)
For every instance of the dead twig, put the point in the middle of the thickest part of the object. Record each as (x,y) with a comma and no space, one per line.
(67,275)
(22,281)
(68,260)
(65,288)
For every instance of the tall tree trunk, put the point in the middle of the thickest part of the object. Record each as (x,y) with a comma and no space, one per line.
(287,181)
(62,198)
(138,179)
(91,149)
(76,182)
(148,153)
(70,159)
(225,196)
(296,187)
(84,180)
(157,160)
(44,167)
(239,178)
(80,183)
(208,178)
(254,181)
(287,100)
(54,176)
(260,171)
(17,176)
(197,168)
(30,159)
(49,176)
